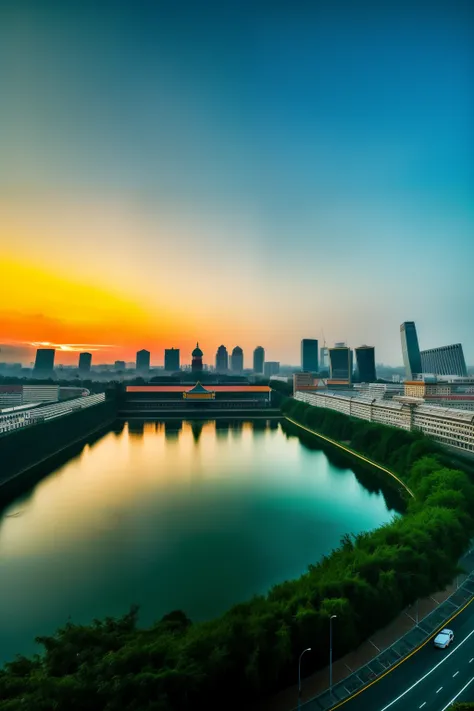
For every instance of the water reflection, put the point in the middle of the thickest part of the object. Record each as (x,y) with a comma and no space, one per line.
(371,478)
(196,428)
(118,427)
(136,428)
(222,428)
(259,427)
(197,515)
(173,428)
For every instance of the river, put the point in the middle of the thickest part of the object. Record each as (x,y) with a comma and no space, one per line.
(178,515)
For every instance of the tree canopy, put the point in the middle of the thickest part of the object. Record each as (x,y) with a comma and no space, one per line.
(252,650)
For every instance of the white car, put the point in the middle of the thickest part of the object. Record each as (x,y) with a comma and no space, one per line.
(444,638)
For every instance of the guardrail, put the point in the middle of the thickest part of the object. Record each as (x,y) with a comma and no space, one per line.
(394,654)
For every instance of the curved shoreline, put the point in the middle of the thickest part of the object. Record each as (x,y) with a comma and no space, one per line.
(352,453)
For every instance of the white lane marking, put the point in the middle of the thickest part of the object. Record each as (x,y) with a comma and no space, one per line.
(427,673)
(423,704)
(439,689)
(445,708)
(455,674)
(471,660)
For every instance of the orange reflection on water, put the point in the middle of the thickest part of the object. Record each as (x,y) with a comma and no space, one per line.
(83,497)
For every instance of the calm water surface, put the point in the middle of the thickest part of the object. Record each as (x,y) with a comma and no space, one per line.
(196,516)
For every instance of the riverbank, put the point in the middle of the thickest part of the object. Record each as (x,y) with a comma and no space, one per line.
(352,453)
(188,415)
(29,454)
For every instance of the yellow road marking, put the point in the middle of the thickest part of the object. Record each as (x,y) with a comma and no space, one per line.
(414,651)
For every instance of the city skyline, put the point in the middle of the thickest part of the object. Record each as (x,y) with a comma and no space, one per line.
(241,173)
(72,353)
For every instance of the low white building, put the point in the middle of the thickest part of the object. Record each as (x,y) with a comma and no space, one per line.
(445,425)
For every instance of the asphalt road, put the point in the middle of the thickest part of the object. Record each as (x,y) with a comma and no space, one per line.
(431,679)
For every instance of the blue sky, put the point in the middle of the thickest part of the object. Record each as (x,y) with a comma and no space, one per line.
(264,170)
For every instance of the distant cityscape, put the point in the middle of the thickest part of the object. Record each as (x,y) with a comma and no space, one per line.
(340,364)
(431,392)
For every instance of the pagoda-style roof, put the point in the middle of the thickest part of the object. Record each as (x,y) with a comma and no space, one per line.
(199,389)
(198,392)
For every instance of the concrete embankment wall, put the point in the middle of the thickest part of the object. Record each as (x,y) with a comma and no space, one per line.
(188,413)
(29,453)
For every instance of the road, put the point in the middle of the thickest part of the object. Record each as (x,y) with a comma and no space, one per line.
(430,679)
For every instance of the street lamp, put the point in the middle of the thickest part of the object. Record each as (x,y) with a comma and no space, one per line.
(299,674)
(333,617)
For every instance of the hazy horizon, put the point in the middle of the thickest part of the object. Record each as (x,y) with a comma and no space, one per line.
(235,172)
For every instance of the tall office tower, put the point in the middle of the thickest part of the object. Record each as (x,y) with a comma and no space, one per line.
(309,355)
(237,361)
(172,360)
(143,362)
(85,362)
(222,360)
(44,362)
(196,363)
(119,365)
(410,350)
(446,360)
(365,359)
(340,363)
(258,359)
(324,358)
(271,368)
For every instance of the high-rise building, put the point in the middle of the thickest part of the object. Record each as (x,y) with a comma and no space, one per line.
(365,359)
(324,358)
(271,368)
(237,361)
(119,365)
(446,360)
(309,355)
(172,359)
(222,360)
(196,363)
(258,359)
(143,361)
(44,362)
(85,362)
(340,363)
(410,350)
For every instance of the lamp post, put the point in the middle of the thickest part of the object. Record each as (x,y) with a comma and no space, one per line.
(299,674)
(333,617)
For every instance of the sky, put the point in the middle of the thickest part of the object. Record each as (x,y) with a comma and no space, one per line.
(245,173)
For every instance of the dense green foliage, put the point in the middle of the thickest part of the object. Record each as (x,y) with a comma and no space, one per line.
(394,448)
(253,649)
(281,387)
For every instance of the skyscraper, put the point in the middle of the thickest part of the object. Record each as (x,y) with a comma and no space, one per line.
(143,361)
(258,359)
(309,355)
(120,365)
(324,358)
(410,349)
(85,361)
(222,360)
(196,363)
(446,360)
(172,359)
(271,368)
(237,361)
(365,359)
(340,363)
(44,362)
